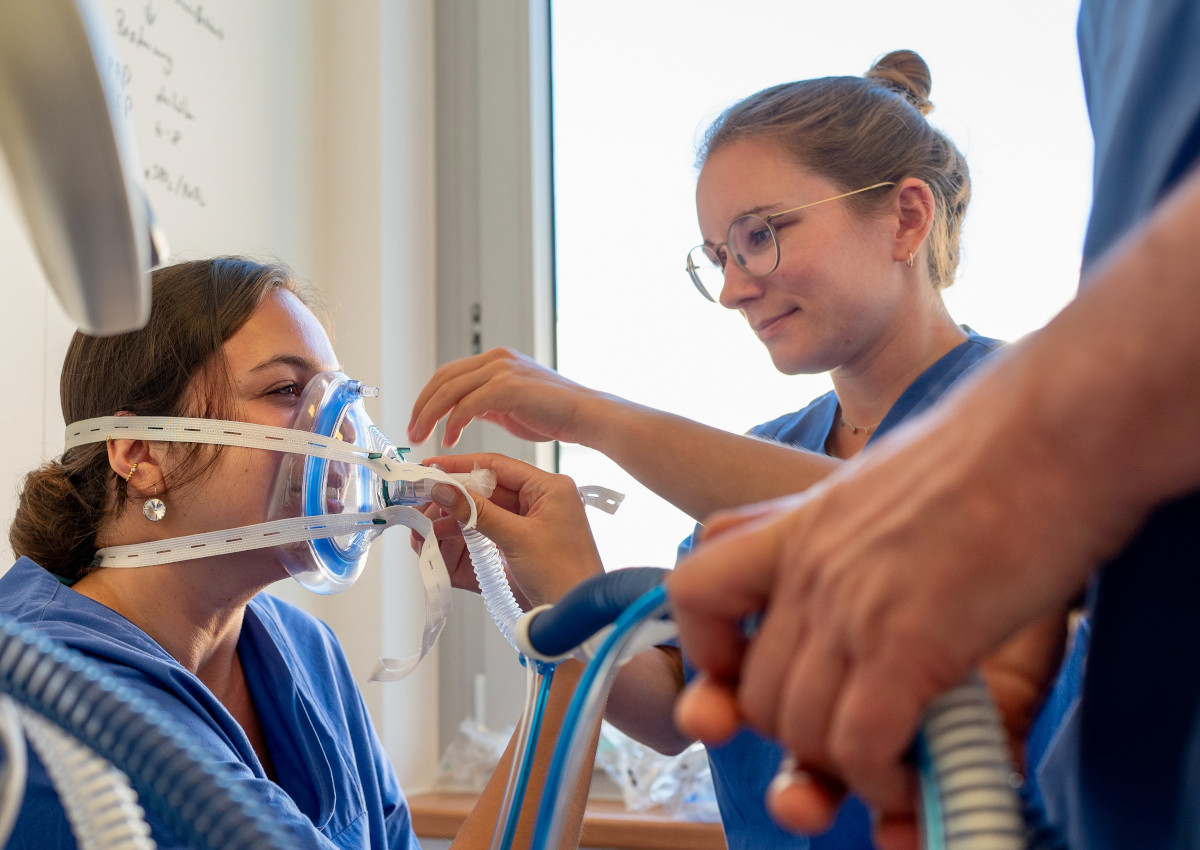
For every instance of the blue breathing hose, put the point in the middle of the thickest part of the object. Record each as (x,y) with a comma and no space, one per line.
(590,606)
(535,709)
(630,597)
(172,777)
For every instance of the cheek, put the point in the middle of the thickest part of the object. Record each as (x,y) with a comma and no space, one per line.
(243,481)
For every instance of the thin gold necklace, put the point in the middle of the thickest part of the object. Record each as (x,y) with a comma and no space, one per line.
(856,429)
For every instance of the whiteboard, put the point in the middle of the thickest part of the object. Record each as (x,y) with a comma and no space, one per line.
(222,96)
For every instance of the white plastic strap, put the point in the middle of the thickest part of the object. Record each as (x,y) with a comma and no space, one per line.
(224,432)
(434,578)
(221,432)
(601,497)
(438,601)
(259,536)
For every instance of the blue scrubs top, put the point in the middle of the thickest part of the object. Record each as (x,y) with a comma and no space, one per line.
(336,787)
(744,767)
(1124,771)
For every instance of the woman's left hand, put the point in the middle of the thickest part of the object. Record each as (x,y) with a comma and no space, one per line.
(535,517)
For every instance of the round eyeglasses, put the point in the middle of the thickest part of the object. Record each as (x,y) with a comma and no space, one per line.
(754,244)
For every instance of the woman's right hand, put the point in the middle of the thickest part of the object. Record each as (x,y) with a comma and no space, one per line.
(535,517)
(504,387)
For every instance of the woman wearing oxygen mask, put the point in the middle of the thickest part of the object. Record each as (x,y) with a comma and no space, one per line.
(830,211)
(234,359)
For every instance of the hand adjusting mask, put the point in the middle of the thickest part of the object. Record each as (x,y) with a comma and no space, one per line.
(340,484)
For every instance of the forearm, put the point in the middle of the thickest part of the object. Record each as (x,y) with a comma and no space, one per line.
(476,831)
(642,701)
(695,467)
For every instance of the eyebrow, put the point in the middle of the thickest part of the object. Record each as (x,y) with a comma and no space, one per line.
(291,360)
(759,210)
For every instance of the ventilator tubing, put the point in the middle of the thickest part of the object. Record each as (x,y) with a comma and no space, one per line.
(172,776)
(493,582)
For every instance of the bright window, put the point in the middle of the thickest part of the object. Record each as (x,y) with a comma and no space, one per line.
(635,85)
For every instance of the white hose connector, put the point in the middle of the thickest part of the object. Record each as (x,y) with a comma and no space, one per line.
(525,646)
(481,482)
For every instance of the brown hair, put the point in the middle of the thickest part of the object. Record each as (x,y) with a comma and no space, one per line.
(154,371)
(856,131)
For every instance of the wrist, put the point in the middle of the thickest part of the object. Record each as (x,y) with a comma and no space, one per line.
(594,418)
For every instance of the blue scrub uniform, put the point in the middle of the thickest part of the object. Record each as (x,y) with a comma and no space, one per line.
(336,787)
(744,767)
(1125,770)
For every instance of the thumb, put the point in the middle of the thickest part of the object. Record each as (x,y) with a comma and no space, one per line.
(491,520)
(453,501)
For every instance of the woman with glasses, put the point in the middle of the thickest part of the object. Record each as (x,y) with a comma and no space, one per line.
(830,212)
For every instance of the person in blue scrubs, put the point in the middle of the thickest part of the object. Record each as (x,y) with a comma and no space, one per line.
(1067,468)
(830,212)
(255,683)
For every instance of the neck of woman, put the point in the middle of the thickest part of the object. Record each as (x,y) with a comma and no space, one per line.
(870,384)
(191,609)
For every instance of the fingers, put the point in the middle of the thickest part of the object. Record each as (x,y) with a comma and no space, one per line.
(795,680)
(896,832)
(452,501)
(444,391)
(811,672)
(871,732)
(493,522)
(716,587)
(451,400)
(1021,672)
(512,475)
(707,710)
(802,801)
(519,487)
(469,388)
(730,518)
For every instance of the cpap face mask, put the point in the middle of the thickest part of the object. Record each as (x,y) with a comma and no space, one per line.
(339,485)
(308,485)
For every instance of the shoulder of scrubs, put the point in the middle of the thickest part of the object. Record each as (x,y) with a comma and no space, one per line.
(929,387)
(34,597)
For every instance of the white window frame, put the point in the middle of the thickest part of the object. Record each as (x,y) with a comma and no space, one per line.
(494,271)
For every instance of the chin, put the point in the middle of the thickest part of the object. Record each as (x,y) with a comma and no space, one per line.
(789,363)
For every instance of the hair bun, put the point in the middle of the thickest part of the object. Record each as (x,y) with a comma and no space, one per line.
(905,72)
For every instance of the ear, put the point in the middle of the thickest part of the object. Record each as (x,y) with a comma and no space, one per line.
(915,207)
(135,463)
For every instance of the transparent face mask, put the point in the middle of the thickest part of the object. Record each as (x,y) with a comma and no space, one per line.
(332,406)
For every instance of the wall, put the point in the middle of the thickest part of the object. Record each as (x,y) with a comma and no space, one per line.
(292,129)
